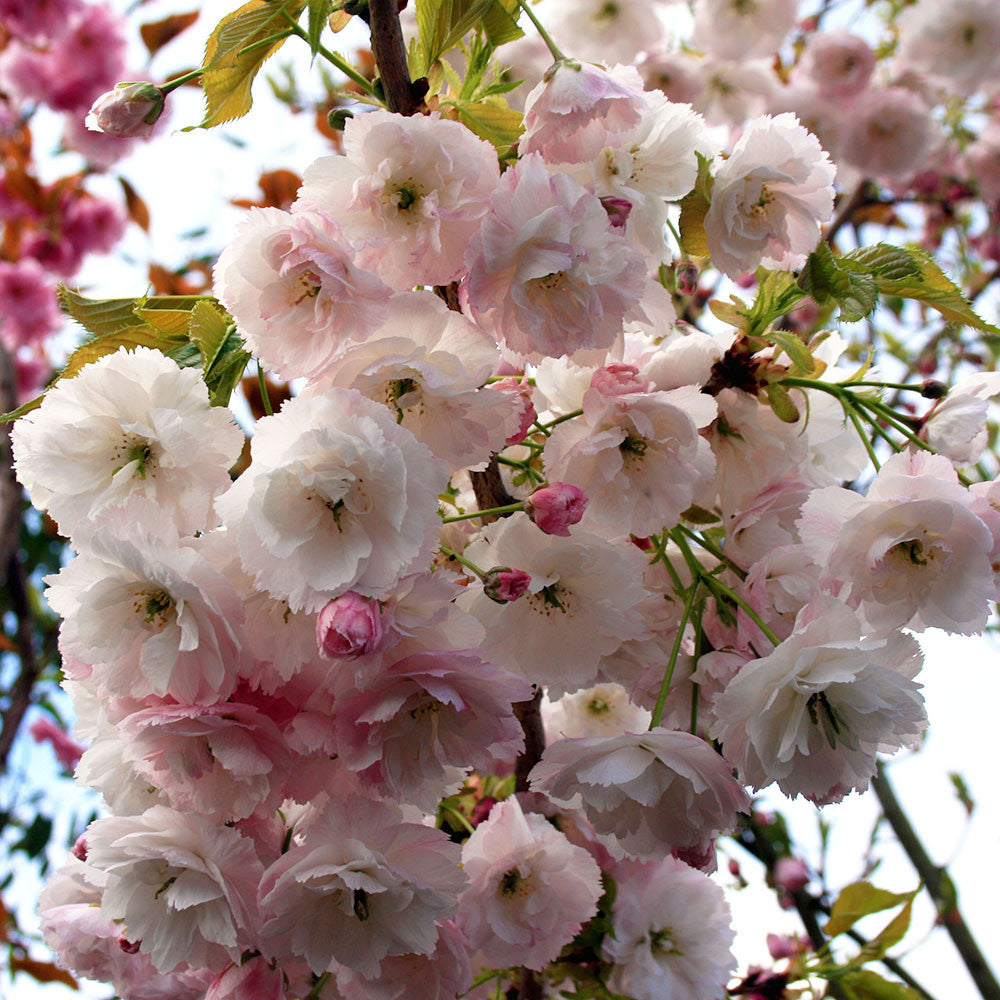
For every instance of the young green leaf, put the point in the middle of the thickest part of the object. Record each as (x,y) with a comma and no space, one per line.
(859,900)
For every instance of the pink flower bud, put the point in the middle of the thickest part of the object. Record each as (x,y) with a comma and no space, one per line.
(782,946)
(131,109)
(503,584)
(348,627)
(129,947)
(618,379)
(686,275)
(555,507)
(618,210)
(791,874)
(67,750)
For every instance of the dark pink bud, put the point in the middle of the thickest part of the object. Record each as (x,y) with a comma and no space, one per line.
(482,809)
(645,544)
(782,946)
(619,379)
(791,874)
(503,584)
(129,947)
(79,849)
(618,210)
(555,507)
(348,627)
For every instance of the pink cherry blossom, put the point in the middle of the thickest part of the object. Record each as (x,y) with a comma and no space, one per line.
(555,507)
(349,626)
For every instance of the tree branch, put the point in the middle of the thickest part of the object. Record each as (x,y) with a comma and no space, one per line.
(401,95)
(939,885)
(21,690)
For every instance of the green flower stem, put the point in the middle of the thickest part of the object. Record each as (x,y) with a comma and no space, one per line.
(179,81)
(264,396)
(709,546)
(333,58)
(461,819)
(852,415)
(318,987)
(539,27)
(668,675)
(549,424)
(471,566)
(498,511)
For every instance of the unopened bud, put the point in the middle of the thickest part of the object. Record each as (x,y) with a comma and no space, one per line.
(129,947)
(618,379)
(931,388)
(128,111)
(348,627)
(79,849)
(337,118)
(618,210)
(686,275)
(791,874)
(503,584)
(555,507)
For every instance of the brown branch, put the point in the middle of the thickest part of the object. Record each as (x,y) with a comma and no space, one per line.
(23,686)
(401,95)
(10,492)
(847,209)
(940,887)
(529,714)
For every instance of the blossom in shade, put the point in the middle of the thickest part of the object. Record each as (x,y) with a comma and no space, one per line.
(812,714)
(425,719)
(338,497)
(770,198)
(734,29)
(837,63)
(222,761)
(183,886)
(530,890)
(890,134)
(650,791)
(442,975)
(349,626)
(408,193)
(956,41)
(578,108)
(555,506)
(547,272)
(596,29)
(291,283)
(132,431)
(91,944)
(358,885)
(253,978)
(671,934)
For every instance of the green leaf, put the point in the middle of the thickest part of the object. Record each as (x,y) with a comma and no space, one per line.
(962,791)
(36,837)
(882,259)
(864,984)
(442,24)
(319,11)
(931,286)
(694,208)
(209,330)
(890,935)
(777,295)
(98,316)
(795,348)
(491,119)
(235,52)
(781,402)
(859,900)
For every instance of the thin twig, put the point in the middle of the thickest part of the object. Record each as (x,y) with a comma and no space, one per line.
(939,886)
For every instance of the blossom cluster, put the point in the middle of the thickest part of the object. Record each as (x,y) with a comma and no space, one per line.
(56,55)
(290,678)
